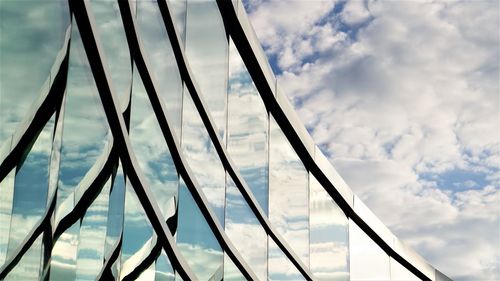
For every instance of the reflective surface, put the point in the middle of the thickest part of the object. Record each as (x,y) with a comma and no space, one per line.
(31,35)
(28,267)
(245,232)
(400,273)
(6,197)
(367,260)
(329,235)
(288,193)
(247,126)
(206,50)
(195,238)
(64,253)
(280,268)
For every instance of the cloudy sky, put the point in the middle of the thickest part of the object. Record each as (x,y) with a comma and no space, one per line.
(403,96)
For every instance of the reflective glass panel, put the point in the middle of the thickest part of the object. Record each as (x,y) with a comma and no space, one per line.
(30,187)
(64,252)
(178,11)
(280,267)
(231,272)
(329,236)
(367,260)
(247,127)
(246,233)
(115,210)
(113,40)
(195,238)
(288,194)
(202,157)
(164,271)
(206,50)
(6,197)
(150,147)
(400,273)
(28,268)
(90,254)
(161,57)
(31,35)
(85,127)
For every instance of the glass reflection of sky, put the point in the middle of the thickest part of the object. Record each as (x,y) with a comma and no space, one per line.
(150,146)
(28,267)
(31,35)
(280,267)
(85,130)
(247,127)
(206,50)
(288,193)
(195,238)
(64,253)
(6,197)
(329,235)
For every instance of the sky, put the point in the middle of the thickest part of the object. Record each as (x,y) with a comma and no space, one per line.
(403,97)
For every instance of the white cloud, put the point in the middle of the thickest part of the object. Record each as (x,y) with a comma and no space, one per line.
(414,94)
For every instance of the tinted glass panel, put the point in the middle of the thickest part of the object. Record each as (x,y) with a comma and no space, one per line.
(329,235)
(288,194)
(28,268)
(247,127)
(367,260)
(31,35)
(6,197)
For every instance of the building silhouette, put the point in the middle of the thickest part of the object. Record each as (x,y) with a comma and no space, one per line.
(150,140)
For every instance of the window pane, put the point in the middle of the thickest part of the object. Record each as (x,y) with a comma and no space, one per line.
(288,194)
(63,262)
(280,267)
(206,50)
(6,197)
(28,268)
(195,238)
(164,271)
(367,260)
(329,235)
(247,127)
(400,273)
(31,34)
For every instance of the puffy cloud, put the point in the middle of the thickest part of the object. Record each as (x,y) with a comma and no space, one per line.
(413,124)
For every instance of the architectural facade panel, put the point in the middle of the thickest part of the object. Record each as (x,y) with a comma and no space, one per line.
(152,142)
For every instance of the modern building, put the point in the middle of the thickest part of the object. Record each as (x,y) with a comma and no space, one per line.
(150,140)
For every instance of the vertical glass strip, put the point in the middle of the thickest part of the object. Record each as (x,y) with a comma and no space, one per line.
(90,254)
(114,42)
(329,235)
(247,127)
(179,16)
(202,157)
(85,126)
(280,267)
(401,273)
(246,233)
(115,211)
(288,194)
(195,239)
(30,188)
(161,57)
(207,51)
(151,148)
(367,260)
(6,198)
(31,35)
(164,270)
(64,253)
(231,272)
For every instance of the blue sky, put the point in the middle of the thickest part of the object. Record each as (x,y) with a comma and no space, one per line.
(403,96)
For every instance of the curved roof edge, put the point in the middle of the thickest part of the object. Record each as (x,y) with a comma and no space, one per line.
(239,27)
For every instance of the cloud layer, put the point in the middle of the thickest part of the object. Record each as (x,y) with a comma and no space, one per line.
(414,119)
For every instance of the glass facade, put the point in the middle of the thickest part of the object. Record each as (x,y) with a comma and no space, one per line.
(224,189)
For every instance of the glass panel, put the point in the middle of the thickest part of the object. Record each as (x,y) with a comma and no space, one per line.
(247,127)
(137,230)
(202,157)
(329,235)
(150,147)
(85,127)
(30,188)
(400,273)
(207,50)
(367,260)
(164,271)
(115,211)
(280,267)
(288,194)
(178,11)
(148,274)
(63,262)
(113,39)
(245,231)
(161,57)
(90,254)
(231,272)
(195,238)
(6,198)
(31,35)
(28,268)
